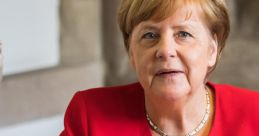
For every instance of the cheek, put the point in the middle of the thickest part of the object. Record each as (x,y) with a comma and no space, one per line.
(197,61)
(144,63)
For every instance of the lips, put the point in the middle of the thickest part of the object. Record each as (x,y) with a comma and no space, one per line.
(165,72)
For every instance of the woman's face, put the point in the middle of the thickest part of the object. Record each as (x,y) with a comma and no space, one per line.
(171,57)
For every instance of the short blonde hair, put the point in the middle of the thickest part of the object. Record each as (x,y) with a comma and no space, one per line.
(133,12)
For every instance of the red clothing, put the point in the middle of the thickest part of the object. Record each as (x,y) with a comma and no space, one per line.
(120,111)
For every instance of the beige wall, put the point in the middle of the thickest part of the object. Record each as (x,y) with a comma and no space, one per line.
(239,63)
(114,53)
(80,31)
(89,25)
(47,92)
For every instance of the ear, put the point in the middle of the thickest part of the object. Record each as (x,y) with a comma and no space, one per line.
(213,51)
(131,59)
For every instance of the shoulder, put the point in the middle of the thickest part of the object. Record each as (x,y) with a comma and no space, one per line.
(108,93)
(236,94)
(111,99)
(101,110)
(235,97)
(236,110)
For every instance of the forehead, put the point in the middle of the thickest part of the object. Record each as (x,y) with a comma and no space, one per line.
(185,16)
(165,8)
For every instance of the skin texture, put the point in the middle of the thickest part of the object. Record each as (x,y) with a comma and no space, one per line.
(171,59)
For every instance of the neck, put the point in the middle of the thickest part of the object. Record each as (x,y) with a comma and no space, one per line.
(177,116)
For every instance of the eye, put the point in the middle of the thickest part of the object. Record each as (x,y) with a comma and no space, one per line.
(150,35)
(183,35)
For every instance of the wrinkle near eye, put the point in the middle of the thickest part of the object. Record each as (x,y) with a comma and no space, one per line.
(183,34)
(150,35)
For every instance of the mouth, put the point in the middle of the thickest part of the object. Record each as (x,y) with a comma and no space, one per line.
(168,72)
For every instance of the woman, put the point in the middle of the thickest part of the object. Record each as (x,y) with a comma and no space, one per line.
(173,46)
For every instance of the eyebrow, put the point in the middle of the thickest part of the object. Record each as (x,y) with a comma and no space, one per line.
(154,26)
(149,26)
(189,25)
(183,27)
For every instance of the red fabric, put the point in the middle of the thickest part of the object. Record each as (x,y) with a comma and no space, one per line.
(120,111)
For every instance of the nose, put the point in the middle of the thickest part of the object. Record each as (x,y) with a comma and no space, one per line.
(166,48)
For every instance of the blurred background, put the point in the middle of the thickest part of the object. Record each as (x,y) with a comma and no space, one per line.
(53,48)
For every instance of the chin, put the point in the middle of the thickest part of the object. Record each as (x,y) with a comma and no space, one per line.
(172,92)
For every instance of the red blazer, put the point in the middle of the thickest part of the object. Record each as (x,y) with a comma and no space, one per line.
(120,111)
